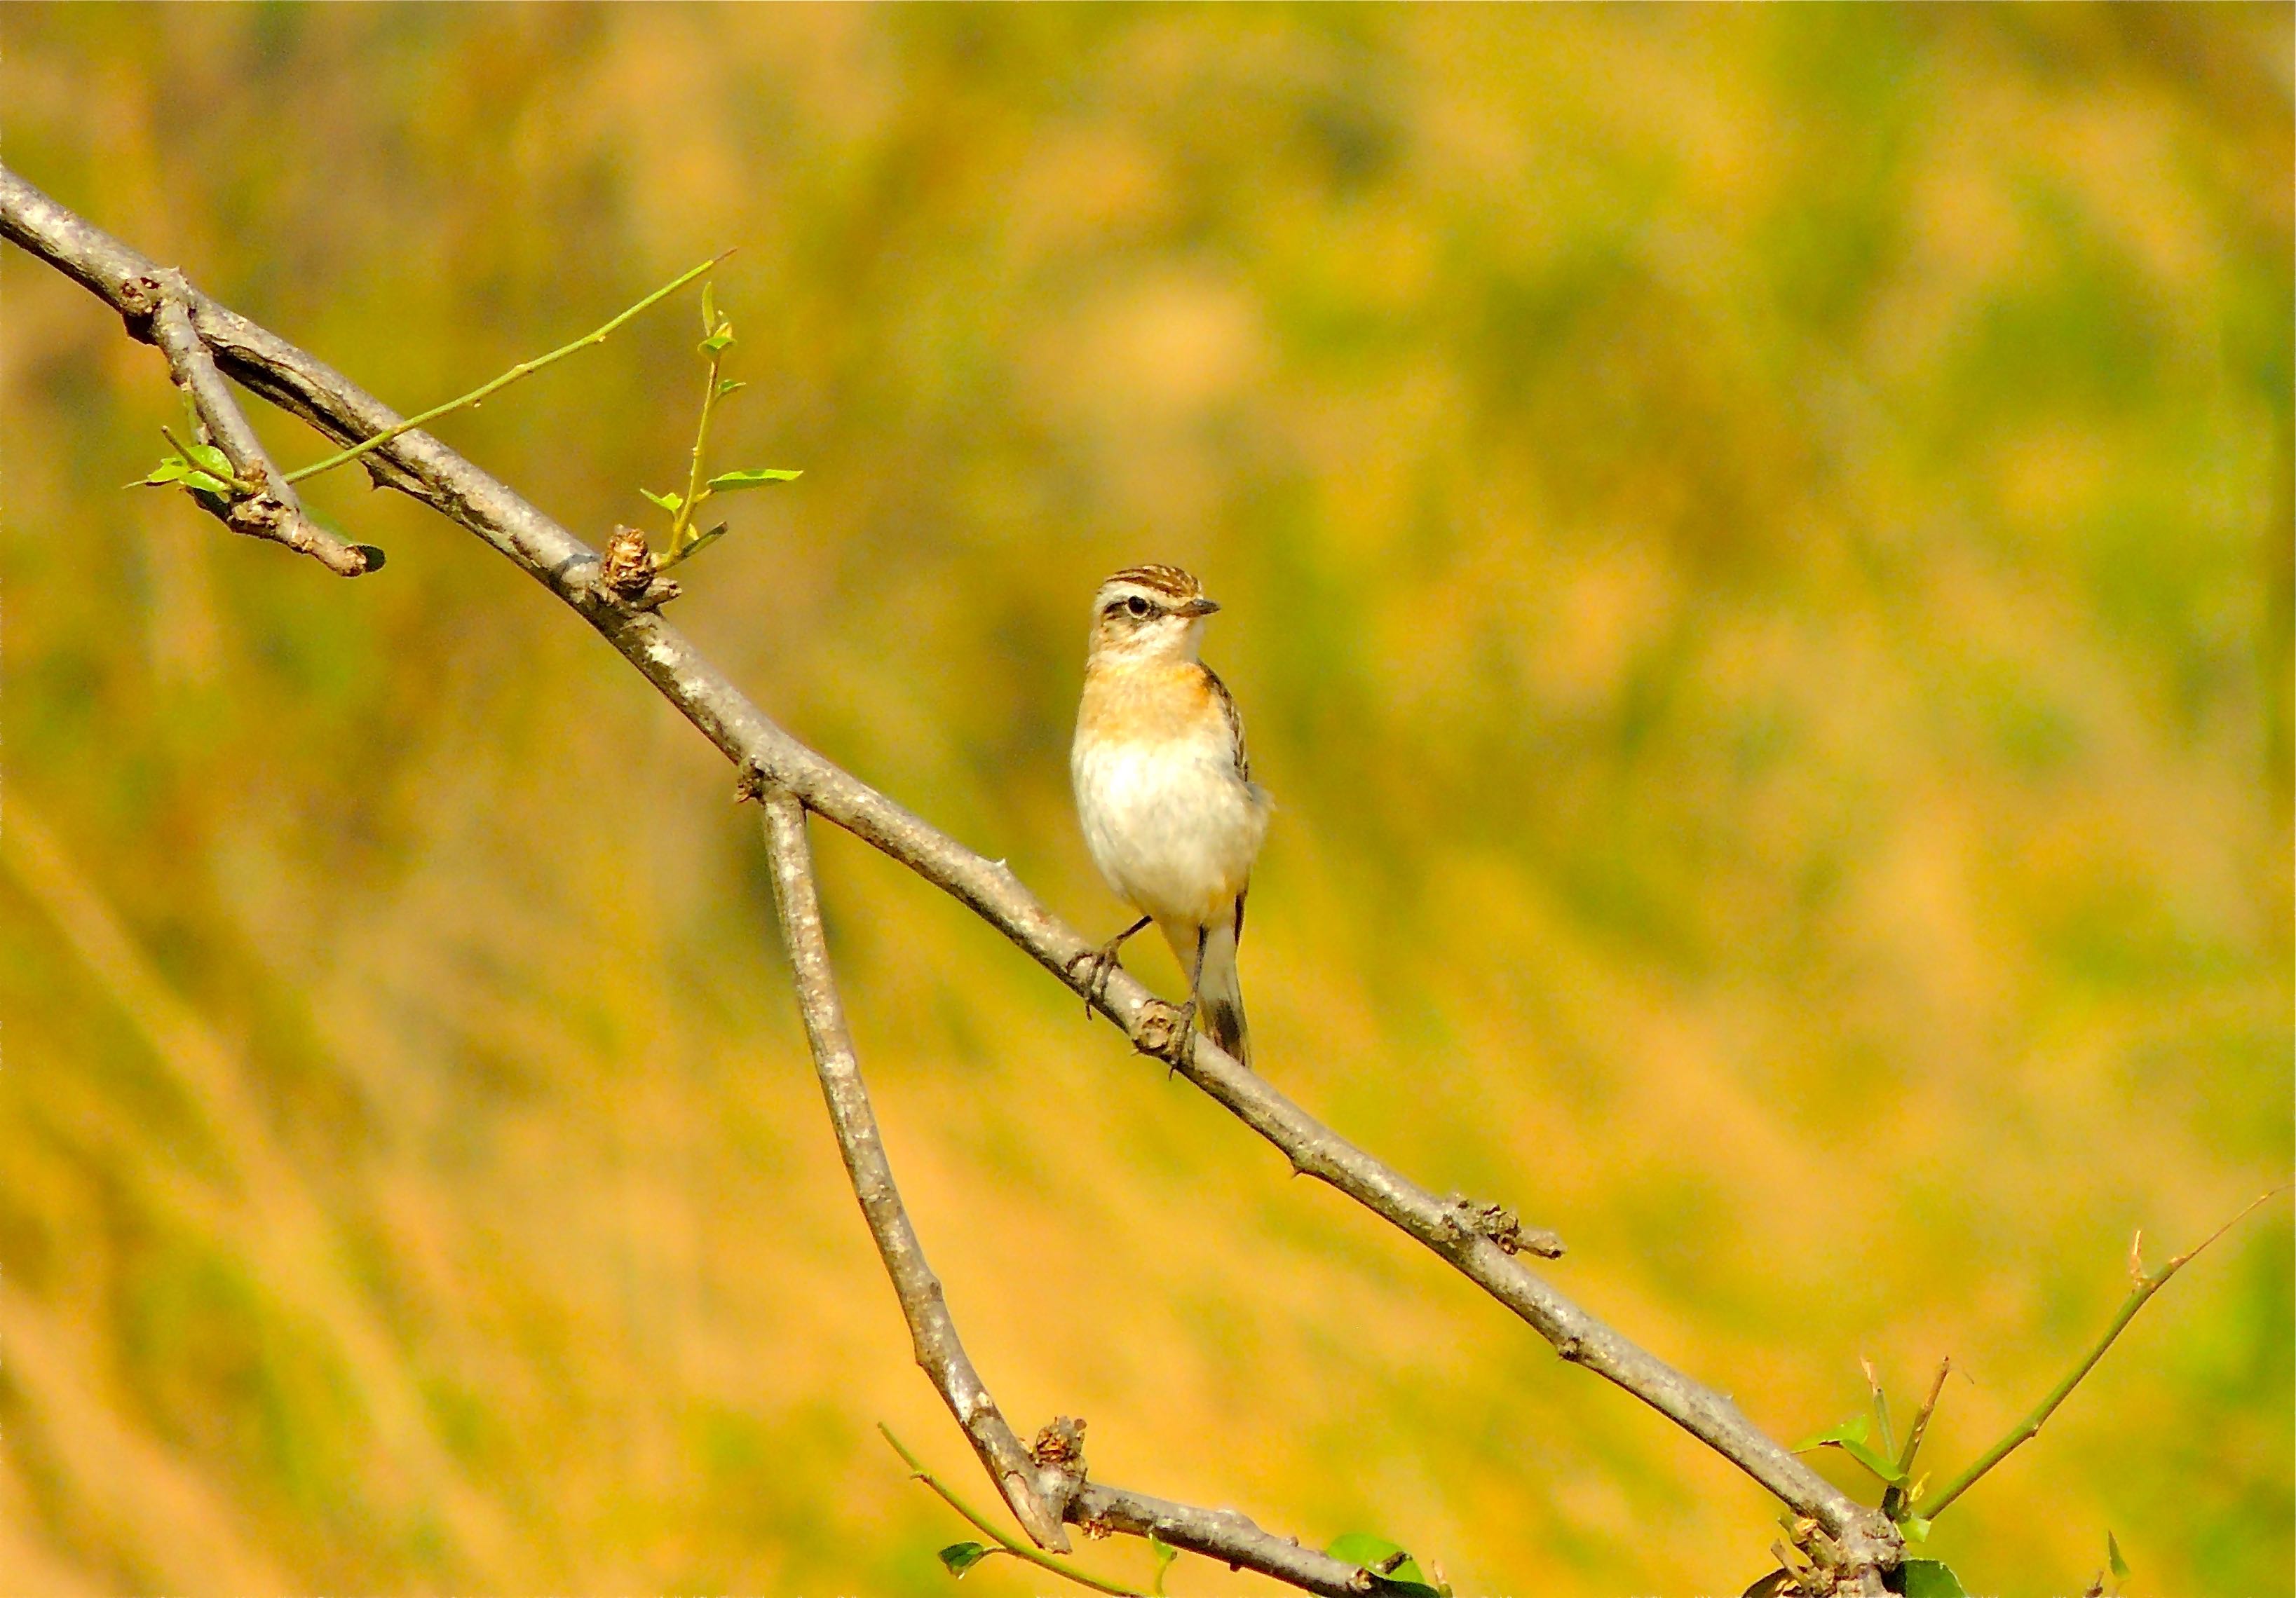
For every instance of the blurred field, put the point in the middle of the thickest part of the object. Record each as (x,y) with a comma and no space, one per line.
(1757,554)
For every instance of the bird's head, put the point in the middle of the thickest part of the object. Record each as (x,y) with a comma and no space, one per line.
(1148,613)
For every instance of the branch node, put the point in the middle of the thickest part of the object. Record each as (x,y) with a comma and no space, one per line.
(137,297)
(1058,1454)
(1467,1219)
(1164,1032)
(629,573)
(1060,1446)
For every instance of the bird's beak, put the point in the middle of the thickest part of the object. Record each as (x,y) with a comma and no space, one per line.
(1197,606)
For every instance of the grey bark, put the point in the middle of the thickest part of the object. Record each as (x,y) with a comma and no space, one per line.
(932,1330)
(272,510)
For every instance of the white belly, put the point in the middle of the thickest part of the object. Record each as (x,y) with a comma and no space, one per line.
(1171,826)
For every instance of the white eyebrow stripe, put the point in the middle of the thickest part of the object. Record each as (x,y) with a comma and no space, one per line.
(1115,593)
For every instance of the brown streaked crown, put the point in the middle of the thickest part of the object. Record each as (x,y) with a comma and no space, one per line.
(1169,581)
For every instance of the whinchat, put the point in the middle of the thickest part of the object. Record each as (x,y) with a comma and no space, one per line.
(1164,788)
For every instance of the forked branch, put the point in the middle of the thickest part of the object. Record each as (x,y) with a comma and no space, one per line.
(1040,1491)
(1219,1534)
(931,1328)
(261,504)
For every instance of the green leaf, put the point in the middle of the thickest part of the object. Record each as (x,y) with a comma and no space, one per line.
(726,385)
(1928,1578)
(1362,1548)
(174,469)
(1397,1571)
(723,339)
(1855,1429)
(757,477)
(1851,1437)
(210,457)
(1886,1470)
(1164,1555)
(708,309)
(961,1557)
(667,502)
(1915,1528)
(2113,1557)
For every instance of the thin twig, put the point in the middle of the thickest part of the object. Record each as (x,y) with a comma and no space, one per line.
(1894,1499)
(486,389)
(262,506)
(932,1329)
(2025,1430)
(989,1529)
(681,521)
(426,470)
(1881,1406)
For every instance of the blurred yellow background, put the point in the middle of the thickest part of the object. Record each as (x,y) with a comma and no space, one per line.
(1756,548)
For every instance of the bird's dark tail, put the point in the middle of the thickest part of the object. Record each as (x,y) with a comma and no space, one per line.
(1220,993)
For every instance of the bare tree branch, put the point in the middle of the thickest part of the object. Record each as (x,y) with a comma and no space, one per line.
(1219,1534)
(931,1328)
(1474,1241)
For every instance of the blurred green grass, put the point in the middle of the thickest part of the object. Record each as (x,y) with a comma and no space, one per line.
(1757,554)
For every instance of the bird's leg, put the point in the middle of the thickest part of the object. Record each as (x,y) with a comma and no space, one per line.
(1103,963)
(1183,1027)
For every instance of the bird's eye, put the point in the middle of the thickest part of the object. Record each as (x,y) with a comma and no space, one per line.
(1137,605)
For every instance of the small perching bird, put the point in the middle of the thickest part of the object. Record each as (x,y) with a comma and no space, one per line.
(1164,788)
